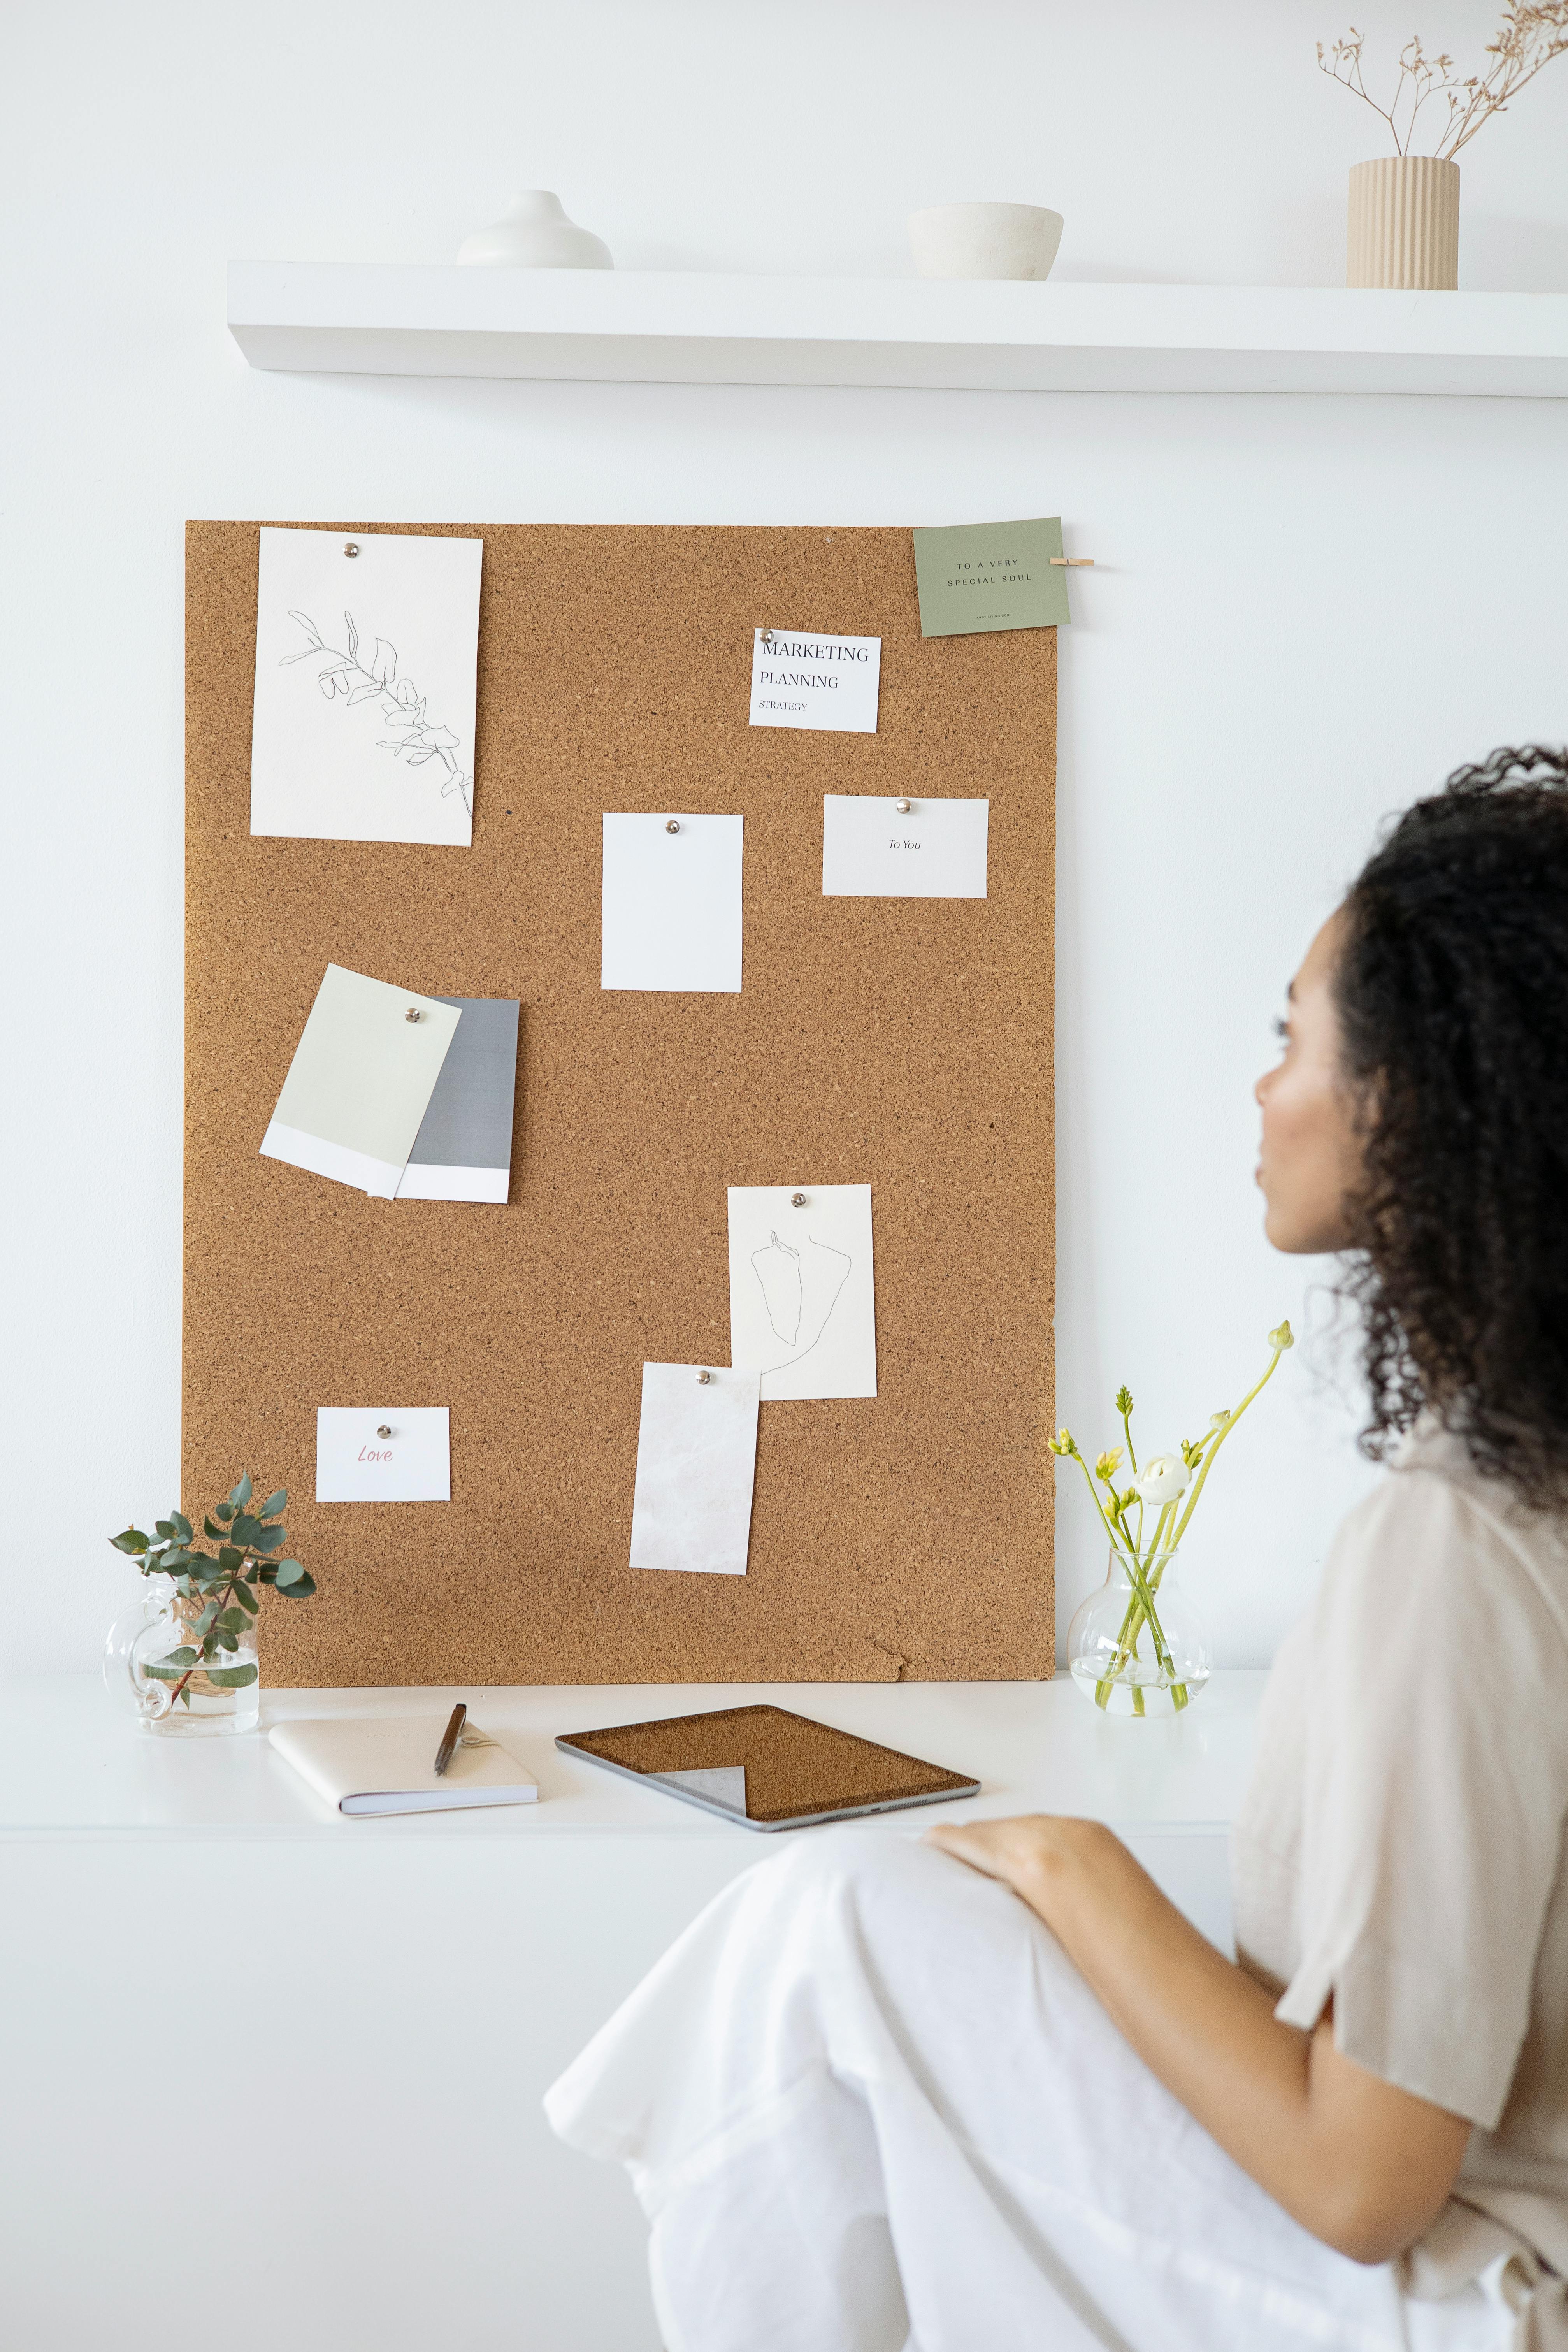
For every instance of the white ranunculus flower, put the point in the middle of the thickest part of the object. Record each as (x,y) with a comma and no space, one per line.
(1163,1477)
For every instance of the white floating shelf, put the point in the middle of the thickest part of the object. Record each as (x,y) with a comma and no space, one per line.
(658,327)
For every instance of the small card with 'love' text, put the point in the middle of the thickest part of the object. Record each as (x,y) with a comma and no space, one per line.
(384,1453)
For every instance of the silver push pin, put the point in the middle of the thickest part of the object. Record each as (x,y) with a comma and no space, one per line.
(703,1379)
(383,1431)
(903,807)
(413,1013)
(672,824)
(349,548)
(797,1199)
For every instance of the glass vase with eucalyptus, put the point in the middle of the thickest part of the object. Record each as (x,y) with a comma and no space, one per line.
(187,1656)
(1138,1646)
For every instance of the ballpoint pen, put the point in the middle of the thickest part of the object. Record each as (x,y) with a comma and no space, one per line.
(450,1738)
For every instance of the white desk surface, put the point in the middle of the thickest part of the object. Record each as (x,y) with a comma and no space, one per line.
(71,1765)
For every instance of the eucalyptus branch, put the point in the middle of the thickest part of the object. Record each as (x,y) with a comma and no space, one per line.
(228,1582)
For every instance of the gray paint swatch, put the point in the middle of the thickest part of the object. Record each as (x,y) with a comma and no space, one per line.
(469,1122)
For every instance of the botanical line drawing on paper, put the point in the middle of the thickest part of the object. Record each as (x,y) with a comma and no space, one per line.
(401,700)
(799,1291)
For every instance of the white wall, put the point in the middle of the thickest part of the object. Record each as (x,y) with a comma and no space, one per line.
(1305,609)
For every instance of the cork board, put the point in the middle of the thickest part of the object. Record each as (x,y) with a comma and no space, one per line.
(903,1042)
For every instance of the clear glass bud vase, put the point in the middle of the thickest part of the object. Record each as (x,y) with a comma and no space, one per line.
(1138,1646)
(148,1665)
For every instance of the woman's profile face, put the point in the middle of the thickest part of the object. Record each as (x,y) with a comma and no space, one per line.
(1309,1159)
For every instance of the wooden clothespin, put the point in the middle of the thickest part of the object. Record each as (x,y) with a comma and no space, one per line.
(1067,562)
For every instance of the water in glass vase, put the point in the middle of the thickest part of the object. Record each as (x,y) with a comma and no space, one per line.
(1138,1646)
(148,1659)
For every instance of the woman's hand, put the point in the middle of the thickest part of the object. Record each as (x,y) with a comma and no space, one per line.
(1362,2164)
(1033,1855)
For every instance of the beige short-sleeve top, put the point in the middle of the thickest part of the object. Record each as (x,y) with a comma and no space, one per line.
(1400,1846)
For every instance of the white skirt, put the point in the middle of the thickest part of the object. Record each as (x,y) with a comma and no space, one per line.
(869,2106)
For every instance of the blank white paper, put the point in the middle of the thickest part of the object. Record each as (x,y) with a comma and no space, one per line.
(800,678)
(355,1464)
(361,1081)
(671,905)
(697,1459)
(802,1302)
(362,722)
(934,850)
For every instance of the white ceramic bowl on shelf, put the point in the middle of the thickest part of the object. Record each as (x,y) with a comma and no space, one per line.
(985,240)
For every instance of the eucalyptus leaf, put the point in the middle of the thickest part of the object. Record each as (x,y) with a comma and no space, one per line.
(132,1540)
(166,1528)
(288,1572)
(224,1511)
(276,1502)
(231,1677)
(184,1656)
(239,1494)
(267,1539)
(207,1619)
(210,1527)
(164,1670)
(247,1599)
(181,1525)
(234,1621)
(302,1589)
(246,1529)
(230,1557)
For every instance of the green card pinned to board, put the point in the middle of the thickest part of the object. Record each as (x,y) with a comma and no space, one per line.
(990,575)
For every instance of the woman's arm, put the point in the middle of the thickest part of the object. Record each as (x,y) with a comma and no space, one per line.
(1360,2164)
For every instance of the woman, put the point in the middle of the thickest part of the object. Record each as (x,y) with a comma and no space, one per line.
(991,2089)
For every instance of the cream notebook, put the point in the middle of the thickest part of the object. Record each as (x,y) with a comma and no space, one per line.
(384,1764)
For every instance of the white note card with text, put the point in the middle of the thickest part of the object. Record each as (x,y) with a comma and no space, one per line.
(799,679)
(384,1453)
(872,848)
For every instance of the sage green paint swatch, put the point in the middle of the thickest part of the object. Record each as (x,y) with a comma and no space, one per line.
(975,576)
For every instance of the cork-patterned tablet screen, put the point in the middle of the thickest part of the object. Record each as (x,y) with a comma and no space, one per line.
(902,1042)
(793,1765)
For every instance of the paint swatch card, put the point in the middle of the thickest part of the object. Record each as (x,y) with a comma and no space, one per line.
(362,723)
(877,848)
(803,1305)
(800,679)
(384,1453)
(671,904)
(361,1081)
(697,1459)
(463,1149)
(974,576)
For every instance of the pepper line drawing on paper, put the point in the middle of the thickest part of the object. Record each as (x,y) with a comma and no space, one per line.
(359,680)
(799,1292)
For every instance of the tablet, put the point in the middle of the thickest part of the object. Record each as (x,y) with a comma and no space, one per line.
(768,1768)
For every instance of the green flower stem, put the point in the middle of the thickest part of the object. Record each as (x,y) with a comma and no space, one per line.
(1256,1390)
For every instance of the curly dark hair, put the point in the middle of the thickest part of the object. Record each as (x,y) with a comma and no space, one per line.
(1452,988)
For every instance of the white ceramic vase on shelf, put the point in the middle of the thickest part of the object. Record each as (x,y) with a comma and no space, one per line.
(533,233)
(985,240)
(1403,224)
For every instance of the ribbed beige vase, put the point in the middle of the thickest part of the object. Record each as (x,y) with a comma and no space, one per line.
(1404,222)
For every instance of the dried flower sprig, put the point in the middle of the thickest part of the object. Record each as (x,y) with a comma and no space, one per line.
(1531,34)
